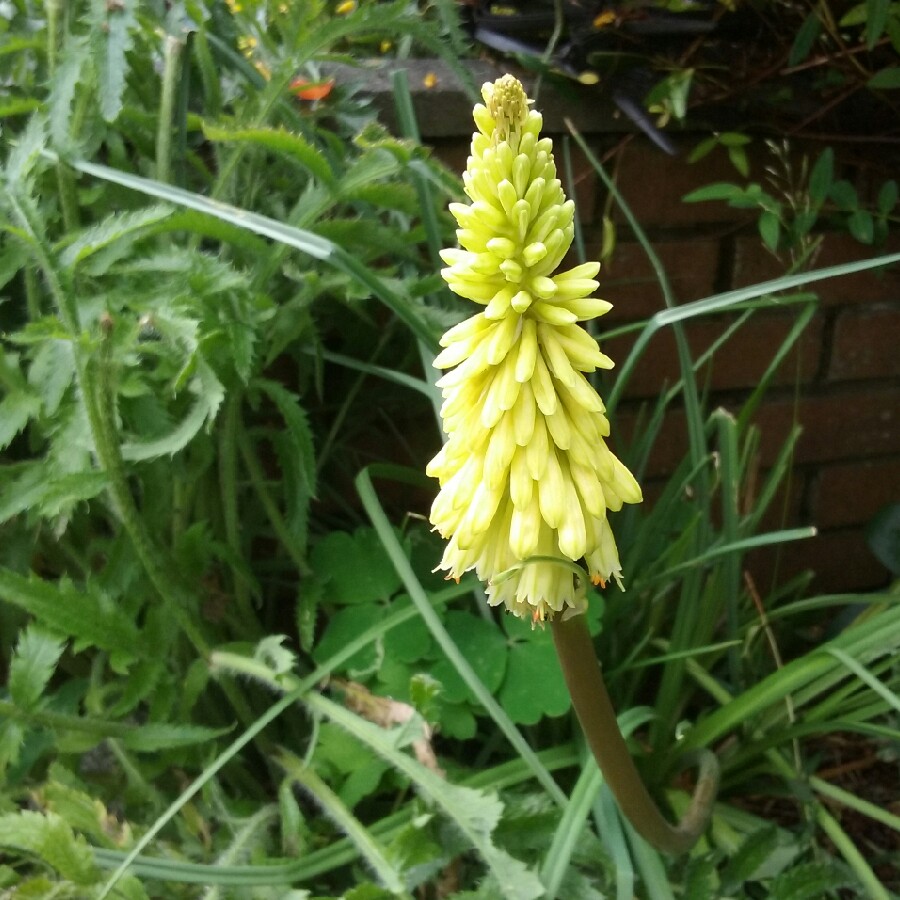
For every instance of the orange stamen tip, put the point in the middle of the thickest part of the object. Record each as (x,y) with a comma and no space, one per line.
(596,579)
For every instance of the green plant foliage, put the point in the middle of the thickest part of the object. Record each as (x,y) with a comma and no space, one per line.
(229,667)
(798,201)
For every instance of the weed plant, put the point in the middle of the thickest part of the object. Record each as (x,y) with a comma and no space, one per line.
(231,670)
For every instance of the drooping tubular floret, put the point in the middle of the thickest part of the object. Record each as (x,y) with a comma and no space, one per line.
(525,473)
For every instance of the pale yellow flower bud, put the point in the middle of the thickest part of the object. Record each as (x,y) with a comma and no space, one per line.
(526,477)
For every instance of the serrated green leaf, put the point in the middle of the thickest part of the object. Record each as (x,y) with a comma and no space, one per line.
(51,372)
(16,409)
(51,839)
(474,812)
(88,616)
(402,197)
(284,143)
(809,881)
(368,891)
(209,393)
(372,165)
(750,858)
(12,258)
(111,39)
(457,721)
(274,655)
(358,771)
(298,428)
(65,82)
(411,640)
(412,313)
(150,737)
(700,881)
(533,686)
(484,647)
(344,626)
(143,677)
(356,565)
(214,228)
(84,813)
(26,151)
(33,664)
(18,106)
(113,228)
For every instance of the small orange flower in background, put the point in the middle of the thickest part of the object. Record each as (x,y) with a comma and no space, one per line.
(304,89)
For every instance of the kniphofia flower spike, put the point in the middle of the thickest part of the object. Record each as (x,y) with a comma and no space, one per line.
(526,477)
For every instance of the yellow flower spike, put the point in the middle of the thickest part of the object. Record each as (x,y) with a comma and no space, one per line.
(526,477)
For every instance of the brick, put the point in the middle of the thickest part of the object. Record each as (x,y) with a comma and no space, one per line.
(837,426)
(841,424)
(852,493)
(671,443)
(754,264)
(787,508)
(866,344)
(628,282)
(452,151)
(840,560)
(740,363)
(653,183)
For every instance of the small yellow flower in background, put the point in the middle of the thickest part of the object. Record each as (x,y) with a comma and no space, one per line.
(526,477)
(345,8)
(430,80)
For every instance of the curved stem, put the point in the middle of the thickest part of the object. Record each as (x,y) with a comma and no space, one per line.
(598,719)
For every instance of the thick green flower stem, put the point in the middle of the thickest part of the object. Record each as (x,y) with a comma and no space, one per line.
(598,719)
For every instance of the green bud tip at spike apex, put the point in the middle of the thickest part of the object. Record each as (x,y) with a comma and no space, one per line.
(526,478)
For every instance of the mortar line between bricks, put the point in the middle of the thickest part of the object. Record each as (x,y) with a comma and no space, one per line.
(724,277)
(829,326)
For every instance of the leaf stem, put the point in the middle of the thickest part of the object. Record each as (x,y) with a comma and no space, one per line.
(172,48)
(598,719)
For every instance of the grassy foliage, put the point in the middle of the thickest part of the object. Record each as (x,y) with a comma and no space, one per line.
(230,671)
